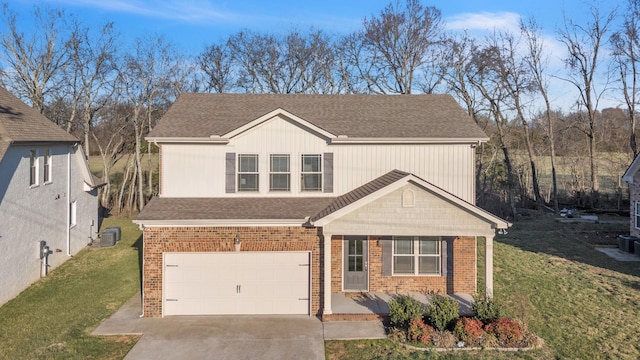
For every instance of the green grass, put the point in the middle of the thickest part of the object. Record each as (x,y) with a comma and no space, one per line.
(54,317)
(582,303)
(95,164)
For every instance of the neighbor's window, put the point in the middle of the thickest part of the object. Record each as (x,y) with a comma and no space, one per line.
(72,213)
(33,171)
(416,255)
(311,173)
(248,172)
(279,172)
(637,214)
(47,166)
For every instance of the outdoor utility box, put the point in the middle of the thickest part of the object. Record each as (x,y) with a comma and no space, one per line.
(625,243)
(636,247)
(115,229)
(108,238)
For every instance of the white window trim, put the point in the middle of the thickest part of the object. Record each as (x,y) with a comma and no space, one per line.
(47,159)
(271,172)
(416,256)
(34,180)
(73,213)
(637,214)
(320,172)
(256,172)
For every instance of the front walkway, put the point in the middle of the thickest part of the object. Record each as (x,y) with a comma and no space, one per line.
(376,303)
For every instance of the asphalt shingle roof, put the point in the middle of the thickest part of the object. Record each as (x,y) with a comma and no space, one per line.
(260,208)
(359,116)
(22,123)
(232,208)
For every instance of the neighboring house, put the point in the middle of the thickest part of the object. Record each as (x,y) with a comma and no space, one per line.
(632,177)
(47,196)
(268,204)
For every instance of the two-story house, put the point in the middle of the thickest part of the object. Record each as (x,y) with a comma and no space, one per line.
(48,197)
(269,204)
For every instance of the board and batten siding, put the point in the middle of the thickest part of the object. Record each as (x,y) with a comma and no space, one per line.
(198,170)
(431,216)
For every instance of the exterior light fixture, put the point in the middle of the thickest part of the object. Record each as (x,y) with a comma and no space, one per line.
(236,242)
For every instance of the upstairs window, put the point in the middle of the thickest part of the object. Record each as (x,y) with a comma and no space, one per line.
(311,174)
(279,172)
(33,168)
(416,255)
(47,166)
(248,172)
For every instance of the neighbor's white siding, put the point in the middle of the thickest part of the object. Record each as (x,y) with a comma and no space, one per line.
(190,170)
(31,214)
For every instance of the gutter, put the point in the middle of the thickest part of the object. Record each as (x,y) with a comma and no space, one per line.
(69,201)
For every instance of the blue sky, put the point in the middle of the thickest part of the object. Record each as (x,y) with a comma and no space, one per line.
(193,24)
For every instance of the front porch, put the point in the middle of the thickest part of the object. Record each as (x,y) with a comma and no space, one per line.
(374,305)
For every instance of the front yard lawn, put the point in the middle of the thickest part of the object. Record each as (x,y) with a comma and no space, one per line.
(54,317)
(584,304)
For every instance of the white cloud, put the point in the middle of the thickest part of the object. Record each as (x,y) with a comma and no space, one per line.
(483,21)
(188,11)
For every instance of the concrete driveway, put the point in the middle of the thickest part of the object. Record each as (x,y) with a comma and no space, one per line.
(217,337)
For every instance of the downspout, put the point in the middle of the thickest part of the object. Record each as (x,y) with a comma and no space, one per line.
(69,200)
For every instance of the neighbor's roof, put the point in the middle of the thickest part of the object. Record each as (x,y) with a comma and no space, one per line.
(20,123)
(357,116)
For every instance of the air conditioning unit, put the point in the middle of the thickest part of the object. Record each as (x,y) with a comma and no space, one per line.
(107,238)
(625,243)
(115,229)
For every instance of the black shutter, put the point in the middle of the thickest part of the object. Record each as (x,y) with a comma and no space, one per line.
(328,172)
(230,173)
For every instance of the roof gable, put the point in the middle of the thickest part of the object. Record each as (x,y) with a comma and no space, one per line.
(20,123)
(343,116)
(388,183)
(275,114)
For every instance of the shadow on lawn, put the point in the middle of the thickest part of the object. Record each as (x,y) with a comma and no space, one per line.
(574,242)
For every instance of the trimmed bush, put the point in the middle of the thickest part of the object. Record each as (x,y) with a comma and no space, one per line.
(419,331)
(469,330)
(485,309)
(402,309)
(443,312)
(507,332)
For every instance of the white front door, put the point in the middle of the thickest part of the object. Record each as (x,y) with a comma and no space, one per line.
(236,283)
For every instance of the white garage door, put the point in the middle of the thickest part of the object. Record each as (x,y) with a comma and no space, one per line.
(236,283)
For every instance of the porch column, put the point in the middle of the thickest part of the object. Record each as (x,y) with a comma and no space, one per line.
(326,309)
(488,266)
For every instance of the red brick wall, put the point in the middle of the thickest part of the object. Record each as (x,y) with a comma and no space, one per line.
(463,279)
(212,239)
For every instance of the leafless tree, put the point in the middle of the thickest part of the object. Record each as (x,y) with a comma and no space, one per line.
(483,75)
(92,75)
(399,40)
(537,65)
(584,44)
(217,64)
(35,62)
(626,53)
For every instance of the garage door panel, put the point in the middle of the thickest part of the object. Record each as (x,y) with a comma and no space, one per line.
(236,283)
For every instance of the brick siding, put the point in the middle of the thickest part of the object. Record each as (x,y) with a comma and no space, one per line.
(158,240)
(463,279)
